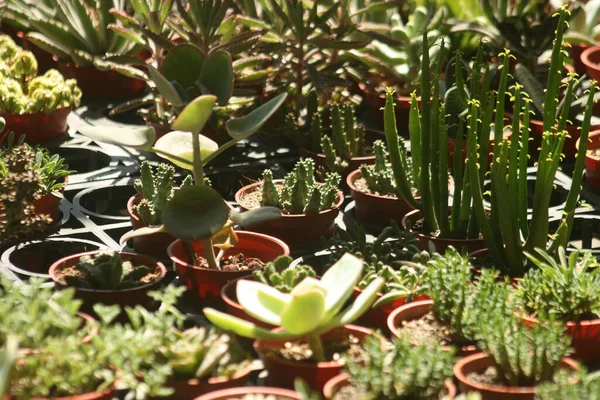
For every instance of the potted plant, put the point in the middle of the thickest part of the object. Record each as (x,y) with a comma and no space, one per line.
(305,203)
(456,305)
(581,386)
(109,277)
(37,106)
(515,358)
(583,32)
(400,372)
(505,226)
(567,290)
(310,319)
(592,159)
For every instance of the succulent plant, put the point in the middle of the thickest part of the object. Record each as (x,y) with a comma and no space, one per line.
(157,189)
(106,270)
(300,193)
(403,371)
(380,177)
(16,13)
(278,274)
(582,385)
(583,26)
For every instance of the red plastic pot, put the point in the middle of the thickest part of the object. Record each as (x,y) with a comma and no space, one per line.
(592,164)
(415,310)
(283,372)
(441,244)
(226,394)
(127,297)
(479,362)
(374,209)
(585,337)
(570,146)
(208,283)
(49,204)
(577,50)
(376,103)
(100,84)
(590,58)
(295,230)
(38,127)
(228,294)
(339,381)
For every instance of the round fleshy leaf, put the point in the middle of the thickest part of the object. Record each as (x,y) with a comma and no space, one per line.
(195,115)
(180,144)
(217,76)
(194,213)
(305,311)
(241,128)
(183,64)
(139,138)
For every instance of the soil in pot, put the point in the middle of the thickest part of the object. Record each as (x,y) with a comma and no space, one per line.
(236,262)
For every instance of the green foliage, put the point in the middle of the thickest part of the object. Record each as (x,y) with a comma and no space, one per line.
(567,289)
(583,26)
(380,177)
(401,372)
(300,193)
(582,386)
(8,358)
(16,13)
(278,274)
(23,92)
(107,271)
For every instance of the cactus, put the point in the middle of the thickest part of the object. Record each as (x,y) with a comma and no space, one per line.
(106,271)
(379,177)
(157,189)
(279,275)
(299,193)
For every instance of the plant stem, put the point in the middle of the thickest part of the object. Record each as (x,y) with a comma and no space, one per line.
(316,346)
(299,80)
(209,253)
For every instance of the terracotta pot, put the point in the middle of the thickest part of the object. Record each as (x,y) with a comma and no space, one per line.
(373,209)
(576,50)
(376,103)
(44,59)
(154,245)
(192,388)
(339,381)
(590,58)
(228,294)
(479,362)
(592,164)
(569,148)
(415,310)
(100,84)
(585,337)
(226,394)
(38,127)
(282,372)
(208,283)
(107,394)
(49,204)
(127,297)
(441,244)
(296,229)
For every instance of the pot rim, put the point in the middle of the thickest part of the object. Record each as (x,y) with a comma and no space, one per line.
(226,298)
(356,175)
(594,134)
(585,57)
(143,259)
(569,324)
(26,115)
(247,370)
(220,394)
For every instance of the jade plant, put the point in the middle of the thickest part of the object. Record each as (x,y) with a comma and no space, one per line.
(299,193)
(506,228)
(157,189)
(23,92)
(567,288)
(106,271)
(400,372)
(278,274)
(311,309)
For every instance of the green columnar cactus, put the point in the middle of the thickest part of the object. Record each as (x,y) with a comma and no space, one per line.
(157,189)
(300,193)
(379,177)
(279,275)
(106,271)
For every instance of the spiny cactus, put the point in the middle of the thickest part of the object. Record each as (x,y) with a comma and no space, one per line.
(157,189)
(20,186)
(379,177)
(279,275)
(106,271)
(300,193)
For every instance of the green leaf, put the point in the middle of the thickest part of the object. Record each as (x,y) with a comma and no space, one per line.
(195,115)
(195,212)
(138,138)
(303,314)
(255,216)
(243,127)
(340,280)
(180,144)
(263,302)
(164,87)
(242,327)
(8,358)
(183,64)
(217,76)
(147,230)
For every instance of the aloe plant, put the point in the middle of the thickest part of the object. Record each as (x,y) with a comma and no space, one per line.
(311,309)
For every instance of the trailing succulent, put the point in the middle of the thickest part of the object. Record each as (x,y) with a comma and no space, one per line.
(299,193)
(106,271)
(157,189)
(403,371)
(23,92)
(567,289)
(278,274)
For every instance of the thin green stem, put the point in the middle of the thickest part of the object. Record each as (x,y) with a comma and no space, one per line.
(316,346)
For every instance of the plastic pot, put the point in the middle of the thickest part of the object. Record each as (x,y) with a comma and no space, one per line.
(49,203)
(416,310)
(592,164)
(479,362)
(107,394)
(590,58)
(207,283)
(298,229)
(577,50)
(376,102)
(375,209)
(100,84)
(38,127)
(570,146)
(226,394)
(339,381)
(127,297)
(441,244)
(283,372)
